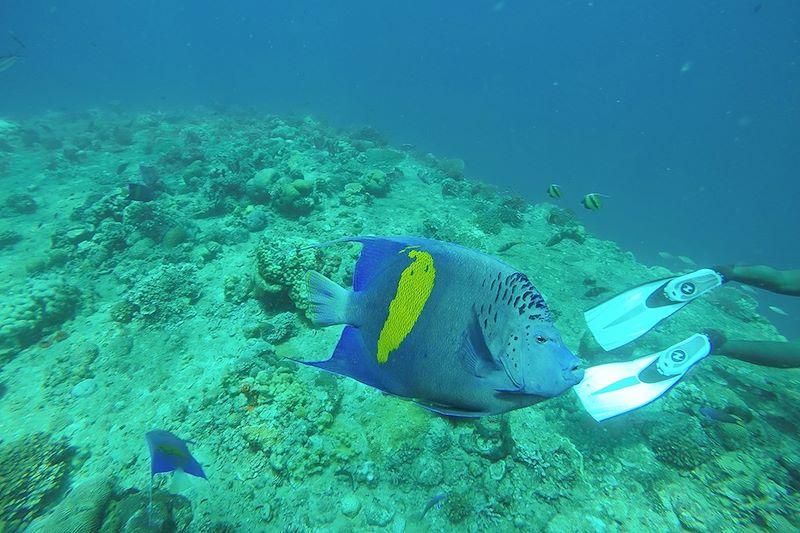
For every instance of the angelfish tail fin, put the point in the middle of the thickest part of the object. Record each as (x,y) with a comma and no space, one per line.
(328,300)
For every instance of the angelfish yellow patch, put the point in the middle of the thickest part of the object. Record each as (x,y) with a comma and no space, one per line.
(413,290)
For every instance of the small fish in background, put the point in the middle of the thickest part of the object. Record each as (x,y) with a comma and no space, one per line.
(7,61)
(507,246)
(666,256)
(686,67)
(687,260)
(17,40)
(554,191)
(720,415)
(757,8)
(169,453)
(436,501)
(140,192)
(121,168)
(747,288)
(595,291)
(149,175)
(592,201)
(777,310)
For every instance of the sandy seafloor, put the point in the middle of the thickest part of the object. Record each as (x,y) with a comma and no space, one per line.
(121,316)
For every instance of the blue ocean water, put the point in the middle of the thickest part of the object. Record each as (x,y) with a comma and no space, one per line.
(685,113)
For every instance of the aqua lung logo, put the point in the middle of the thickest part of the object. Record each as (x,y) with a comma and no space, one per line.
(687,289)
(678,356)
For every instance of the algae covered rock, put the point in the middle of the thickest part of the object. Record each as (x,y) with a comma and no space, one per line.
(350,505)
(490,438)
(166,291)
(383,158)
(692,508)
(128,513)
(21,203)
(293,197)
(29,312)
(378,513)
(281,267)
(147,219)
(81,510)
(552,460)
(354,195)
(679,441)
(9,238)
(258,188)
(32,471)
(376,182)
(289,192)
(275,330)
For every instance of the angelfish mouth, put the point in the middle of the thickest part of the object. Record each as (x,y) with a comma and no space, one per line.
(574,375)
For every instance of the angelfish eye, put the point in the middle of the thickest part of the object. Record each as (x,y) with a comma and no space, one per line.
(541,339)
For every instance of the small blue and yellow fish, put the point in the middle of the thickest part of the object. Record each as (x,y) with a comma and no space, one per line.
(720,415)
(554,191)
(435,501)
(139,192)
(592,201)
(169,453)
(6,62)
(457,331)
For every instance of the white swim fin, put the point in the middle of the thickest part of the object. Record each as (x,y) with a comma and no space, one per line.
(615,388)
(628,316)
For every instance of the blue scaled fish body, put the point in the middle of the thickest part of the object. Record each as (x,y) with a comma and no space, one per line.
(459,332)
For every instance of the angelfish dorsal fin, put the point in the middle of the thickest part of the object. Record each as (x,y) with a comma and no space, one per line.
(375,254)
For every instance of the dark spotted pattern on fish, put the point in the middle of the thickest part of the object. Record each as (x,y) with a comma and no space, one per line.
(517,291)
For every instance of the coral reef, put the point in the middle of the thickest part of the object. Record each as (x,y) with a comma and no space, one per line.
(129,512)
(81,510)
(184,311)
(166,291)
(29,312)
(32,470)
(680,441)
(281,267)
(21,203)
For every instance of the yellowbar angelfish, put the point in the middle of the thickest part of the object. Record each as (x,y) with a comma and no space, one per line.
(456,330)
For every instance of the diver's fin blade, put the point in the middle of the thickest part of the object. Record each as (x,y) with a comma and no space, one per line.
(628,316)
(613,389)
(350,359)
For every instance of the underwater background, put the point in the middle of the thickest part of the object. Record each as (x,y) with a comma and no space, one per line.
(257,128)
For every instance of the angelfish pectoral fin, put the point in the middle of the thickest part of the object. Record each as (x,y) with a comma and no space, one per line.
(451,411)
(475,355)
(515,390)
